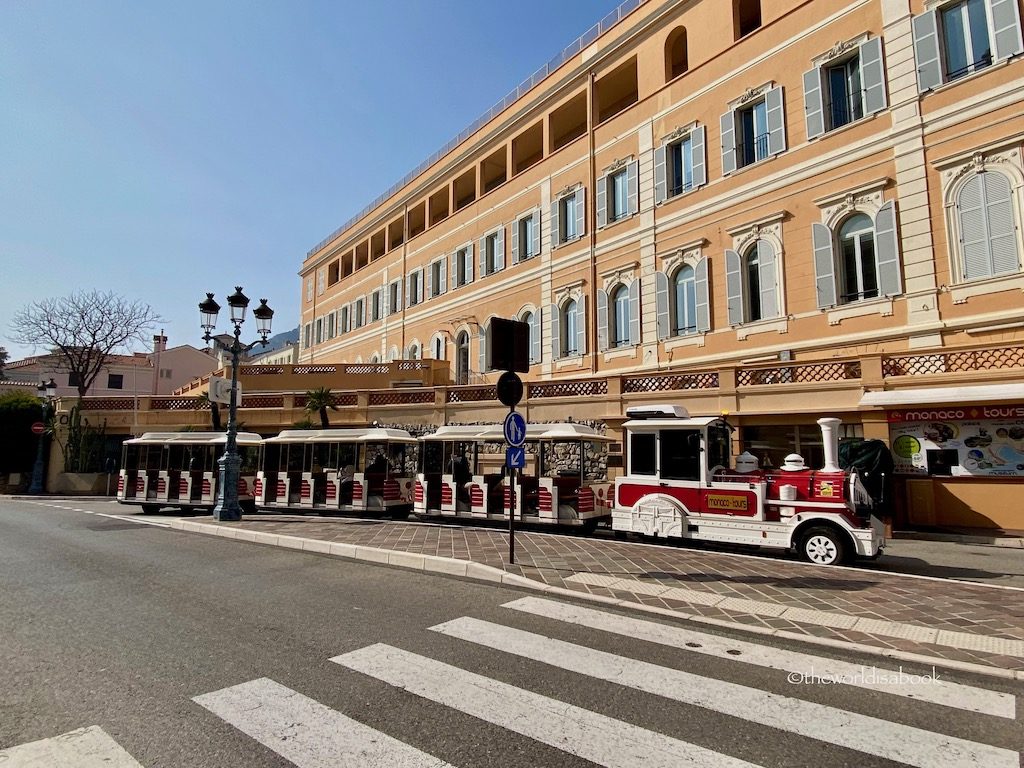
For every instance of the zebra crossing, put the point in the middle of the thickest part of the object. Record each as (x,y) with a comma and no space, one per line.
(310,734)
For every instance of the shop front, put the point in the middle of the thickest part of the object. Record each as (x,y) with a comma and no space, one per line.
(959,461)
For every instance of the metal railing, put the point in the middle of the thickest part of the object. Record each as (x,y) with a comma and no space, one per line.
(574,48)
(748,153)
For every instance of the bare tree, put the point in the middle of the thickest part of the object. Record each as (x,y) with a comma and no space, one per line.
(84,330)
(3,361)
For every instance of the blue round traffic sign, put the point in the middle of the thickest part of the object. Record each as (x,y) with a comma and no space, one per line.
(515,429)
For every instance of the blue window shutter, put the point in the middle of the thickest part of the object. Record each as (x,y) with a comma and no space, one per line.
(660,174)
(728,126)
(661,300)
(634,312)
(734,286)
(444,275)
(926,51)
(700,274)
(698,158)
(482,343)
(824,265)
(536,232)
(887,251)
(633,186)
(872,75)
(409,298)
(429,279)
(814,111)
(468,256)
(602,320)
(515,241)
(420,286)
(1006,25)
(556,338)
(455,270)
(556,235)
(602,202)
(776,121)
(483,257)
(581,211)
(581,326)
(535,328)
(769,278)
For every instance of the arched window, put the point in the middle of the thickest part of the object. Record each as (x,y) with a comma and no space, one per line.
(392,354)
(570,328)
(684,294)
(462,358)
(859,276)
(530,318)
(752,285)
(676,62)
(414,352)
(437,347)
(374,358)
(987,232)
(619,320)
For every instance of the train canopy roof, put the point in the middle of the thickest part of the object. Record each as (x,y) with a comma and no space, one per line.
(346,435)
(493,432)
(193,438)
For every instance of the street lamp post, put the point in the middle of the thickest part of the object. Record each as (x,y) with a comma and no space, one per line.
(47,391)
(227,507)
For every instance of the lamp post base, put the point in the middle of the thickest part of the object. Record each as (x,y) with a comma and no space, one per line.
(227,508)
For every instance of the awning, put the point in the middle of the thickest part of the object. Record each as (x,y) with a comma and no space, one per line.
(941,395)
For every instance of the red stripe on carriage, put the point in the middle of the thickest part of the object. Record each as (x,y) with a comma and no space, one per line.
(544,500)
(418,492)
(476,495)
(586,500)
(305,491)
(357,491)
(446,494)
(332,490)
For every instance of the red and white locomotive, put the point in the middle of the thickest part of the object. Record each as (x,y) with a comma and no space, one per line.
(679,484)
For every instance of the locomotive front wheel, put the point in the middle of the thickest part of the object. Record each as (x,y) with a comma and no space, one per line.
(823,546)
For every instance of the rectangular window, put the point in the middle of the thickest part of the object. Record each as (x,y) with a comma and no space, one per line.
(345,324)
(752,129)
(525,239)
(680,166)
(567,219)
(359,320)
(680,454)
(642,454)
(332,329)
(618,196)
(965,39)
(319,330)
(115,381)
(414,287)
(165,373)
(437,278)
(306,330)
(375,306)
(490,253)
(844,96)
(395,297)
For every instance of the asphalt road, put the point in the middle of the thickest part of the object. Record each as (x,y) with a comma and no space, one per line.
(110,623)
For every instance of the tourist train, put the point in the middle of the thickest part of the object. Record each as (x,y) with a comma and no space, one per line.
(680,481)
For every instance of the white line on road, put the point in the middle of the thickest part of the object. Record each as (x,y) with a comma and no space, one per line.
(874,736)
(805,667)
(308,733)
(592,736)
(84,748)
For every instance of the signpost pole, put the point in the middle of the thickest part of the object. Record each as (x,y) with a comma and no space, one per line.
(512,515)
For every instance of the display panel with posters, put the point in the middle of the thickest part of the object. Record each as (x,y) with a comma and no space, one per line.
(959,441)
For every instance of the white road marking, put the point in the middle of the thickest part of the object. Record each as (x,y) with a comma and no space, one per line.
(592,736)
(130,519)
(308,733)
(802,665)
(892,741)
(83,748)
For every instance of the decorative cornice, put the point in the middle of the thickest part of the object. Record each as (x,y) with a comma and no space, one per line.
(680,132)
(618,164)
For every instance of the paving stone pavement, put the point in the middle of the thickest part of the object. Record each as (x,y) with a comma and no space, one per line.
(952,620)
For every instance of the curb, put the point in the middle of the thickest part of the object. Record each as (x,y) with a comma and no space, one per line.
(486,573)
(1012,542)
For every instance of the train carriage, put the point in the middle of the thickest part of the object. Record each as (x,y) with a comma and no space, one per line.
(338,470)
(680,483)
(179,469)
(565,481)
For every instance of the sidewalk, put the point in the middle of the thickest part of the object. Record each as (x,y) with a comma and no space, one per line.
(954,624)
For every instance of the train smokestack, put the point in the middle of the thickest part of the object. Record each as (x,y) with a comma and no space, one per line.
(830,442)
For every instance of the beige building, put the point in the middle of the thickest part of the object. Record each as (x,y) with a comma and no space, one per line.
(778,209)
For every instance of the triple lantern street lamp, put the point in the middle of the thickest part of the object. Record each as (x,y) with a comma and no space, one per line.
(47,392)
(227,507)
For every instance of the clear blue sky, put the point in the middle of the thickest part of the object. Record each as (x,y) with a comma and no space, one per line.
(165,149)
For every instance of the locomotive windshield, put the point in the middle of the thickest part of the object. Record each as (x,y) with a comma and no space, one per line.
(718,449)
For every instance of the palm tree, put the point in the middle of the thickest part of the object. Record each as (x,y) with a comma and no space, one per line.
(318,401)
(204,399)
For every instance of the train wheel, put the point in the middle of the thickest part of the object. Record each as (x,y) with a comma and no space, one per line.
(823,546)
(589,526)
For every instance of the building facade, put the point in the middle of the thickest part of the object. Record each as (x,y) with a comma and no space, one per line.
(783,189)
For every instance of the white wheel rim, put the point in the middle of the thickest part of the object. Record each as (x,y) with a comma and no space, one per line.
(821,550)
